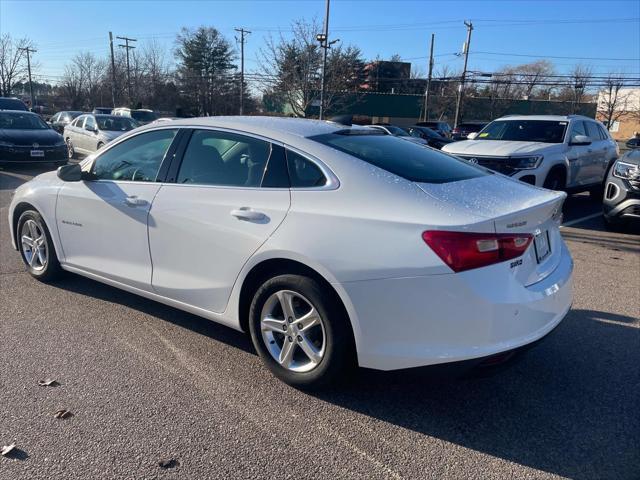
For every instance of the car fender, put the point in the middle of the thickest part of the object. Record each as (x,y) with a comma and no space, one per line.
(42,194)
(267,253)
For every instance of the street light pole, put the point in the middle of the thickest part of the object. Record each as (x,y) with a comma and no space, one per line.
(324,44)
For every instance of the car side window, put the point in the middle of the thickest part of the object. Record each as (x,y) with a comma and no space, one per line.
(55,118)
(78,122)
(135,159)
(224,159)
(592,131)
(577,129)
(303,173)
(603,133)
(90,123)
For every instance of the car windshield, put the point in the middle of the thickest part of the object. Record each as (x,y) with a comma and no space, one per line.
(544,131)
(116,124)
(21,121)
(397,131)
(143,116)
(405,159)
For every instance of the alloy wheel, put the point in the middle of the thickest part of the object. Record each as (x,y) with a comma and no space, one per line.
(34,245)
(293,331)
(70,151)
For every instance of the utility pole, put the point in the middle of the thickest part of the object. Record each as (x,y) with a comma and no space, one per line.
(427,91)
(128,47)
(243,32)
(323,38)
(464,72)
(29,50)
(113,71)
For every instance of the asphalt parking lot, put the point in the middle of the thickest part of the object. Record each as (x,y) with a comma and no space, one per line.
(146,383)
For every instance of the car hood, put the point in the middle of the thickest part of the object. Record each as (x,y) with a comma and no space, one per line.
(632,156)
(498,148)
(29,137)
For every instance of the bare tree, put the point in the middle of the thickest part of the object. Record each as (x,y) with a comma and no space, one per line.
(533,75)
(581,77)
(12,67)
(290,70)
(613,100)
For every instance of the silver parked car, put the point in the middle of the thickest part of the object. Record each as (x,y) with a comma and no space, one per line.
(89,133)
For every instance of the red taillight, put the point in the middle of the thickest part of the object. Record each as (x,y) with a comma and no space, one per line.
(464,251)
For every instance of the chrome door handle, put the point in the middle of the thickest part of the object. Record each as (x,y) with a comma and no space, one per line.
(245,213)
(134,201)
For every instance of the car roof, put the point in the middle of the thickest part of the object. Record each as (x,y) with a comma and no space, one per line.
(556,118)
(277,128)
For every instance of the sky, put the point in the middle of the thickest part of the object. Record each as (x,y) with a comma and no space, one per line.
(602,34)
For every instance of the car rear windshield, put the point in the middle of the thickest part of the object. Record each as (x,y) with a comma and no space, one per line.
(545,131)
(116,124)
(21,121)
(142,116)
(405,159)
(12,104)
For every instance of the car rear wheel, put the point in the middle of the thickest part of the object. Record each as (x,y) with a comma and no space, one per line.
(299,332)
(36,247)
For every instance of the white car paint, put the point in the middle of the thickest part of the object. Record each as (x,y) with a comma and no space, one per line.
(183,246)
(586,165)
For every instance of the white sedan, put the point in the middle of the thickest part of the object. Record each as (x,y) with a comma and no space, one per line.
(332,245)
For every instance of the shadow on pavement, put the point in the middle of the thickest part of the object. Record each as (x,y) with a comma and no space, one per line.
(568,407)
(202,326)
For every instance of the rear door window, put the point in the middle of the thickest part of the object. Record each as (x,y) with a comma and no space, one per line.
(406,159)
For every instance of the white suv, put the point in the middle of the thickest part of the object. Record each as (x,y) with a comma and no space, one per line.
(557,152)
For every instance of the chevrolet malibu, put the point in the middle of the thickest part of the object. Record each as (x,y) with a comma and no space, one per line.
(331,245)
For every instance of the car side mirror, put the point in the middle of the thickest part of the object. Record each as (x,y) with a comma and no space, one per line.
(70,173)
(580,140)
(472,136)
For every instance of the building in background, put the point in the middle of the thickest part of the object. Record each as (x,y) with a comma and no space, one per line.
(619,109)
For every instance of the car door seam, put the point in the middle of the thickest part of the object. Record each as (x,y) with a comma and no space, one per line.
(149,236)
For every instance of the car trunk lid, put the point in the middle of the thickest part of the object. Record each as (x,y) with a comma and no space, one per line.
(511,206)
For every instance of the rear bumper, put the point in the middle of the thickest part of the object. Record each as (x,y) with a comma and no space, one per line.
(420,321)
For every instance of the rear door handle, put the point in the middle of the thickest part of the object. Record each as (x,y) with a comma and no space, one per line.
(134,201)
(245,213)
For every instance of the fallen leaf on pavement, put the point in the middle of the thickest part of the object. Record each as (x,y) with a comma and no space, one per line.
(62,413)
(169,463)
(48,383)
(7,449)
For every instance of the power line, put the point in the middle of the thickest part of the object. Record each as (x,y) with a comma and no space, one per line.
(556,56)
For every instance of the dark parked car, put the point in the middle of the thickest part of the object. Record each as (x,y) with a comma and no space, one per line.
(442,128)
(633,142)
(621,201)
(8,103)
(432,138)
(102,111)
(397,132)
(462,130)
(62,119)
(25,137)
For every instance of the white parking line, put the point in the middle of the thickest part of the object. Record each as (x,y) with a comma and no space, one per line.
(580,220)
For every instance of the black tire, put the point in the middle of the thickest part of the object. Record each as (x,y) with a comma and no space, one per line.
(339,352)
(71,152)
(51,269)
(556,180)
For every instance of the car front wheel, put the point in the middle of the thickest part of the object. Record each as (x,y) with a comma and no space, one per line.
(70,150)
(299,331)
(36,248)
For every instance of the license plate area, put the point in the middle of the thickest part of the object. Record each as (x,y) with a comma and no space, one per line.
(542,245)
(37,153)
